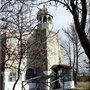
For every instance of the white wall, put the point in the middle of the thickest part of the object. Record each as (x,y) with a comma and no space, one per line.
(53,49)
(9,84)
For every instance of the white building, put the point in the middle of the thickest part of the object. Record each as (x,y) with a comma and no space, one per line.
(43,51)
(44,43)
(10,58)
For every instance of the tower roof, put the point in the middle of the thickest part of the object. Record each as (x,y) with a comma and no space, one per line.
(44,11)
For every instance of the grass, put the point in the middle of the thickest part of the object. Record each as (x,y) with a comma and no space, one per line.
(82,86)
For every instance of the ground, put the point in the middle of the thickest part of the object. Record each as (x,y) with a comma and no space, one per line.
(83,86)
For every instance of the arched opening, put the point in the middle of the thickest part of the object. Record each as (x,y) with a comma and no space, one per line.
(30,73)
(44,19)
(49,18)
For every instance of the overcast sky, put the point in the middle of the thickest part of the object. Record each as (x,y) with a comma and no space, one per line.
(61,17)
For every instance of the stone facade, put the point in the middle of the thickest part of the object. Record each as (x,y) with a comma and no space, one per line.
(44,51)
(10,58)
(40,50)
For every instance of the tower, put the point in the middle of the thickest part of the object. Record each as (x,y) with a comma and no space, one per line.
(44,49)
(44,18)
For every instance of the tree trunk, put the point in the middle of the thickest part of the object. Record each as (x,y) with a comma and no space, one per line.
(84,42)
(80,25)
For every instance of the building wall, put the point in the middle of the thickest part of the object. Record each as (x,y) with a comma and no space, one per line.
(44,49)
(53,49)
(44,52)
(13,50)
(11,58)
(9,84)
(37,50)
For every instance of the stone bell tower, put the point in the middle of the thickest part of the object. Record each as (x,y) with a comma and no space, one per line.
(44,51)
(44,18)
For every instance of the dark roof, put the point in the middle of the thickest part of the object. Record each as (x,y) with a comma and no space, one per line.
(60,66)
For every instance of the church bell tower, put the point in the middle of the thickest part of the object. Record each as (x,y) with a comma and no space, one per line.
(44,18)
(44,51)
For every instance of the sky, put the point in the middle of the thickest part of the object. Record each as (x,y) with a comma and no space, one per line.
(61,17)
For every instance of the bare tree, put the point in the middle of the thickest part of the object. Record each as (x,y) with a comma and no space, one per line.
(74,51)
(16,15)
(78,9)
(19,25)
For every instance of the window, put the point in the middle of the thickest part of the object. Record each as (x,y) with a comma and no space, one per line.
(30,73)
(12,76)
(49,18)
(44,19)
